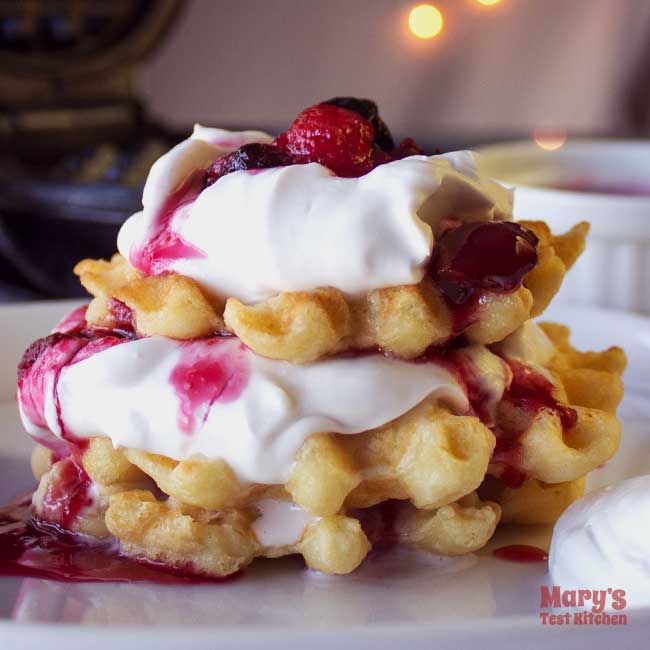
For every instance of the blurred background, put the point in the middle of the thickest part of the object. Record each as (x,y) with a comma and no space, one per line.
(93,91)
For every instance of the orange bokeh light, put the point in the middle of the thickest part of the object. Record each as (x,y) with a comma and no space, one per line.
(425,21)
(549,139)
(489,3)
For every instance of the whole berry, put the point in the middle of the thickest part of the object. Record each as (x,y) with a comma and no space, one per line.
(368,109)
(489,256)
(338,138)
(250,156)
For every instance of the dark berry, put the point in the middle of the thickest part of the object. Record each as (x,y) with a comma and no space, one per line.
(335,137)
(492,256)
(250,156)
(407,147)
(368,109)
(35,350)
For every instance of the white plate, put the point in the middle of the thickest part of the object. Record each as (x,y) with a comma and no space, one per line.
(403,599)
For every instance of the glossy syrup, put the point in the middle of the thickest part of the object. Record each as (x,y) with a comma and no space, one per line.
(521,553)
(474,257)
(30,548)
(532,392)
(471,260)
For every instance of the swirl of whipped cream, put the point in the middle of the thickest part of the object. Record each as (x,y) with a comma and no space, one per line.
(216,398)
(602,541)
(255,233)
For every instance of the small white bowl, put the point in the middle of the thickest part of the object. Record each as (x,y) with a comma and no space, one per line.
(610,188)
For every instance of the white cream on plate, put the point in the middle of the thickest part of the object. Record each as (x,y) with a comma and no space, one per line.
(256,233)
(602,541)
(218,399)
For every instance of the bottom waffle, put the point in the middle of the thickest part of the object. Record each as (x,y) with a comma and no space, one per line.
(162,529)
(430,479)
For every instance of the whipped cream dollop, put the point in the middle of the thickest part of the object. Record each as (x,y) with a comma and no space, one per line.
(602,541)
(255,233)
(280,523)
(216,398)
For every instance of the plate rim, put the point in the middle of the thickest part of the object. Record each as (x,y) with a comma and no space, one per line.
(377,634)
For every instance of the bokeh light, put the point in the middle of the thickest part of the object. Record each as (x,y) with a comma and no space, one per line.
(489,3)
(425,21)
(549,139)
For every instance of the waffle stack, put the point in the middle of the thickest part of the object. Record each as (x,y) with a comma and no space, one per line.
(516,420)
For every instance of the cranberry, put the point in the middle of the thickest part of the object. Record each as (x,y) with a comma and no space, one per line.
(335,137)
(493,256)
(250,156)
(368,109)
(35,350)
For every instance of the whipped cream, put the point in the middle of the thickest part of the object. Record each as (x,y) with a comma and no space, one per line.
(174,169)
(216,398)
(300,227)
(228,141)
(280,522)
(602,541)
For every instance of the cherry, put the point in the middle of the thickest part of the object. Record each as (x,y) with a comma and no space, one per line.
(487,256)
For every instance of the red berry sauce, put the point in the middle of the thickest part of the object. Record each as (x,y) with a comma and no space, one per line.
(40,368)
(379,523)
(30,548)
(521,553)
(75,321)
(96,345)
(208,372)
(531,392)
(481,399)
(511,476)
(123,316)
(164,245)
(66,498)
